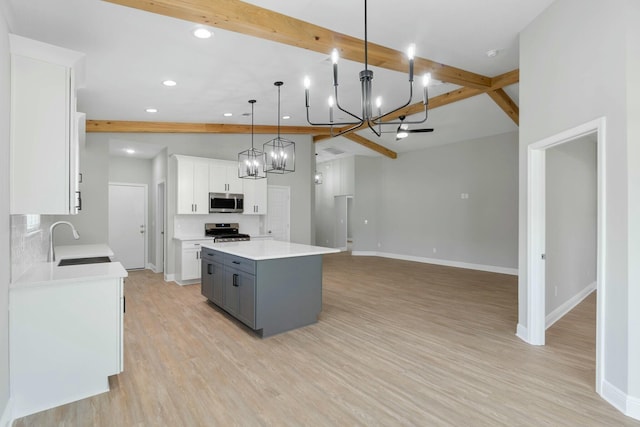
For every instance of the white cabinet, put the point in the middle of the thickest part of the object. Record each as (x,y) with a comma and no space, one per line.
(255,196)
(44,127)
(192,185)
(66,339)
(223,177)
(188,262)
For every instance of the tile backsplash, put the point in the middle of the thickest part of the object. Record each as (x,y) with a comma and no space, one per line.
(29,242)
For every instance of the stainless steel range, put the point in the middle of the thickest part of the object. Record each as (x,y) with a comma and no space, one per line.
(224,232)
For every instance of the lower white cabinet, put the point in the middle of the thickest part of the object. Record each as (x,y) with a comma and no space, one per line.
(66,338)
(188,262)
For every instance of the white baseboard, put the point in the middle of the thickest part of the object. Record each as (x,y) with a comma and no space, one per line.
(169,277)
(633,407)
(522,332)
(614,396)
(559,312)
(457,264)
(151,267)
(6,419)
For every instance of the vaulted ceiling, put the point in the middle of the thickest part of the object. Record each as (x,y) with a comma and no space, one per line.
(133,45)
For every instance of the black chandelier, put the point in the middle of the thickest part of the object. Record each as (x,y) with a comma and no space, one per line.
(367,116)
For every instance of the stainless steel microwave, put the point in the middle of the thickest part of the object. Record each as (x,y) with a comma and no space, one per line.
(226,203)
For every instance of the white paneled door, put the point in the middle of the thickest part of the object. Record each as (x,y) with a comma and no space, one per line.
(128,224)
(278,212)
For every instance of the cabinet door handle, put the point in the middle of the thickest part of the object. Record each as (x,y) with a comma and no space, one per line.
(236,262)
(196,208)
(79,199)
(235,280)
(209,269)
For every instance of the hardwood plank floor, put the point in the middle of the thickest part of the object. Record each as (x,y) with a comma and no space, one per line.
(397,344)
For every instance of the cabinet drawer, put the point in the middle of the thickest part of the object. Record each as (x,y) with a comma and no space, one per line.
(244,264)
(212,255)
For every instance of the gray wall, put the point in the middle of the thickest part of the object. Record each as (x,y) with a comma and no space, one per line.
(417,207)
(5,259)
(562,64)
(571,220)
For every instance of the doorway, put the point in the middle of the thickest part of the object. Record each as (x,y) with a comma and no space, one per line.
(128,224)
(279,212)
(160,227)
(343,206)
(536,245)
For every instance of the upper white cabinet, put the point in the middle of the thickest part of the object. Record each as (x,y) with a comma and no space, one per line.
(192,185)
(223,177)
(45,128)
(255,197)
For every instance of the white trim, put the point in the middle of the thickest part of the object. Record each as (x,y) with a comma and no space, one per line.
(169,277)
(535,281)
(457,264)
(569,305)
(364,253)
(633,407)
(614,396)
(6,419)
(151,267)
(522,332)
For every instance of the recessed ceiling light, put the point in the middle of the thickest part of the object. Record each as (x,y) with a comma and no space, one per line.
(228,114)
(151,110)
(286,117)
(492,53)
(130,150)
(202,33)
(169,83)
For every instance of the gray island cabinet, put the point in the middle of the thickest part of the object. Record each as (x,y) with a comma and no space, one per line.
(270,286)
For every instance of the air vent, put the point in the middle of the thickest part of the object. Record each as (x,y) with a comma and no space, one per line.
(333,150)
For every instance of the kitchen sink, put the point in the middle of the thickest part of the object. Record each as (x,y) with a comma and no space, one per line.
(79,261)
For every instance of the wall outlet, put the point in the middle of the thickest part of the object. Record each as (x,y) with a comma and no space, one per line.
(366,221)
(379,244)
(435,250)
(556,291)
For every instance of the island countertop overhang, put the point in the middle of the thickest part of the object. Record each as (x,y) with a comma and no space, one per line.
(259,250)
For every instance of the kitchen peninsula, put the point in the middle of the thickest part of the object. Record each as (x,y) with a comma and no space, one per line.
(268,285)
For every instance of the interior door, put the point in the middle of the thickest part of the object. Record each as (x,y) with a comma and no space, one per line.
(340,203)
(278,212)
(128,224)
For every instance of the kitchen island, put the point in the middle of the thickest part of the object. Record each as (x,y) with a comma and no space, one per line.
(268,285)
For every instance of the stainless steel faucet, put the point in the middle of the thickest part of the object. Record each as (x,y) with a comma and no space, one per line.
(52,255)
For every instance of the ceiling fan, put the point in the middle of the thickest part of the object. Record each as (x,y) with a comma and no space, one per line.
(404,131)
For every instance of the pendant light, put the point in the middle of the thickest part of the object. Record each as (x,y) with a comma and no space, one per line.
(279,153)
(250,162)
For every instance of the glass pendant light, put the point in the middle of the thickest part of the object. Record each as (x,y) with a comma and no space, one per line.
(250,162)
(279,153)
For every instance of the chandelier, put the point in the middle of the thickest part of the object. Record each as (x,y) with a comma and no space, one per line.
(372,118)
(251,161)
(279,153)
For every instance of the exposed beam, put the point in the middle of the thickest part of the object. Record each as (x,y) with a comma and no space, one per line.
(172,127)
(503,100)
(245,18)
(371,145)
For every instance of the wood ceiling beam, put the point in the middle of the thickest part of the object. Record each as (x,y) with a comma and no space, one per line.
(371,145)
(503,100)
(245,18)
(118,126)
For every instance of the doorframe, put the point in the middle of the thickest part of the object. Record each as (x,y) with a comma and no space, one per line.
(536,181)
(159,236)
(146,215)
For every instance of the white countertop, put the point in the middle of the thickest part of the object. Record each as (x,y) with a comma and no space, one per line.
(188,238)
(82,251)
(49,273)
(269,249)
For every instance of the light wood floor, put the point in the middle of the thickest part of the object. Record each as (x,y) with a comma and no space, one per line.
(398,343)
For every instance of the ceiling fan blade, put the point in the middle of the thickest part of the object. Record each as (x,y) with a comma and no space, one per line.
(419,130)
